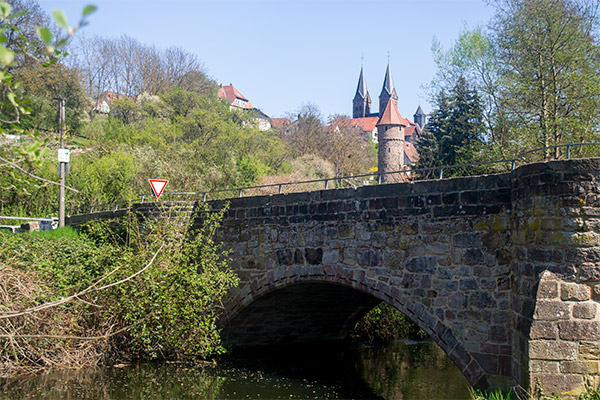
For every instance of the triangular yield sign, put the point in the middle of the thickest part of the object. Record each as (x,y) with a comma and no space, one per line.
(158,185)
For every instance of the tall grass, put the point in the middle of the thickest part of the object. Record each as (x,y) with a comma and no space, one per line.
(64,232)
(592,394)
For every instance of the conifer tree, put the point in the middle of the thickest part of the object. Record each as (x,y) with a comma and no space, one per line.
(454,133)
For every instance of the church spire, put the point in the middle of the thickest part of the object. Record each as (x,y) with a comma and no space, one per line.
(361,89)
(388,91)
(361,105)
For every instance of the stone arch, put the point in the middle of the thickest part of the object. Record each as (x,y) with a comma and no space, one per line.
(282,278)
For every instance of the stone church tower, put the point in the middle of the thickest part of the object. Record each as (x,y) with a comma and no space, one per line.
(361,105)
(387,92)
(390,132)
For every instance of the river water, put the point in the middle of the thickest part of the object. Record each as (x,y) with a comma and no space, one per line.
(400,370)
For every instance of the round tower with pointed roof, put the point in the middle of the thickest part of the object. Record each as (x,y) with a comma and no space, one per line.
(390,133)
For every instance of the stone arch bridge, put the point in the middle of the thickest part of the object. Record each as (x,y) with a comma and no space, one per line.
(502,271)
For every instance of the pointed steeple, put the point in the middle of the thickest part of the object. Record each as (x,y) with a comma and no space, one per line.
(388,82)
(388,91)
(420,117)
(361,105)
(361,89)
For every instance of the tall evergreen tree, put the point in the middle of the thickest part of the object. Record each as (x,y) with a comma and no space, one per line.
(455,129)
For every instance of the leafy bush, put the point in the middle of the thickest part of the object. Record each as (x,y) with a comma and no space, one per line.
(134,289)
(383,324)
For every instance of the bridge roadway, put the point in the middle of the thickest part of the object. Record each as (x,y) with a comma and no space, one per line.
(502,271)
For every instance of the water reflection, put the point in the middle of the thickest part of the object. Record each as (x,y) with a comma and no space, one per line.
(329,371)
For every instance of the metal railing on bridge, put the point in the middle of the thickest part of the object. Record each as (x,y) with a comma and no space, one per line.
(562,151)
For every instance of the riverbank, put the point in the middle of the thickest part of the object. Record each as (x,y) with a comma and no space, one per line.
(119,292)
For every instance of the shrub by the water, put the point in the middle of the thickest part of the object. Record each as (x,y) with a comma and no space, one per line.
(120,291)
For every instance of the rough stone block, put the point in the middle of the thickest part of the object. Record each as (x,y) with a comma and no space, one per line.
(544,330)
(469,284)
(468,239)
(579,330)
(579,367)
(313,256)
(596,292)
(590,272)
(482,299)
(424,264)
(473,256)
(331,256)
(489,362)
(552,350)
(548,289)
(551,367)
(585,310)
(589,350)
(559,383)
(574,291)
(368,257)
(551,310)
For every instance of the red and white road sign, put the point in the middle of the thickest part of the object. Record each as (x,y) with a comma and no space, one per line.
(158,185)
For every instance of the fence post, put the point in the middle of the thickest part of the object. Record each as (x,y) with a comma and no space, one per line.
(512,165)
(568,152)
(379,179)
(204,197)
(280,188)
(240,193)
(143,198)
(441,173)
(326,184)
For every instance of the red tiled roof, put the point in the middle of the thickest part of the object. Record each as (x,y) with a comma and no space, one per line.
(279,123)
(391,115)
(367,124)
(411,152)
(109,97)
(231,93)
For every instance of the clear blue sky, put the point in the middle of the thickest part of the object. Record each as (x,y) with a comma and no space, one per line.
(281,54)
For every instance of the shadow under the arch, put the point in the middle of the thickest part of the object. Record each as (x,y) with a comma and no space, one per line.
(303,328)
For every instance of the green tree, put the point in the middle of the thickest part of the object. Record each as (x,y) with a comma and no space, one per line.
(551,61)
(42,84)
(535,71)
(455,129)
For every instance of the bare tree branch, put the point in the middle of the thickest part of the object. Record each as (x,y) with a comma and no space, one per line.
(90,289)
(12,164)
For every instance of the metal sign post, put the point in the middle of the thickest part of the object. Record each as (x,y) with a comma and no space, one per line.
(63,159)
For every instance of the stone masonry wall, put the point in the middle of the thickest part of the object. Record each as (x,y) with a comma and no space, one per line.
(556,236)
(439,251)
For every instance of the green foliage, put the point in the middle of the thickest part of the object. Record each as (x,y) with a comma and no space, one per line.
(383,324)
(491,395)
(172,308)
(64,232)
(454,134)
(593,394)
(535,71)
(167,285)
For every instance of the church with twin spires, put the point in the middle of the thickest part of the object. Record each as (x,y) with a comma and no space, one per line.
(396,136)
